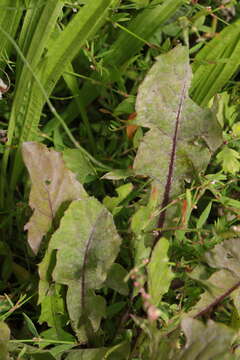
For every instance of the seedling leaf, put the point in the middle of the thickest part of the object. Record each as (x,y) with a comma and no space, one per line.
(229,159)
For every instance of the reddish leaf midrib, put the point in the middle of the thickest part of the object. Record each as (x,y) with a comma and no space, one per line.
(166,195)
(85,259)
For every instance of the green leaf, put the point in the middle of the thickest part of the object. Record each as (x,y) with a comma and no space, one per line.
(53,312)
(159,272)
(112,203)
(204,216)
(142,225)
(87,354)
(129,42)
(236,129)
(31,326)
(52,186)
(47,68)
(37,27)
(78,164)
(118,174)
(85,245)
(229,159)
(169,152)
(115,279)
(140,3)
(117,352)
(9,21)
(210,341)
(4,338)
(215,64)
(82,26)
(42,355)
(222,283)
(143,26)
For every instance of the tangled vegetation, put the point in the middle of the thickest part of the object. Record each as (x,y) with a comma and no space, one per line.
(119,188)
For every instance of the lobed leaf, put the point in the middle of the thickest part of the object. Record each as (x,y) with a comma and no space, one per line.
(229,159)
(53,312)
(52,186)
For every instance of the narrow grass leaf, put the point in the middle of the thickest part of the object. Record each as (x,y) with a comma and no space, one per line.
(215,64)
(144,26)
(38,25)
(66,46)
(10,16)
(29,99)
(204,216)
(30,325)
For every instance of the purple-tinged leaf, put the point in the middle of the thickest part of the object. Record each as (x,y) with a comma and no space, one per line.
(52,185)
(86,245)
(182,135)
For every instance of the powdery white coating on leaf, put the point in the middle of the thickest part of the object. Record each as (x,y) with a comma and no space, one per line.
(86,245)
(52,185)
(206,341)
(223,282)
(171,150)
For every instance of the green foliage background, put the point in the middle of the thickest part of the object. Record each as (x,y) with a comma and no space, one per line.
(94,277)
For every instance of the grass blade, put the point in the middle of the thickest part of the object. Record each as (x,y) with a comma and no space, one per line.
(215,64)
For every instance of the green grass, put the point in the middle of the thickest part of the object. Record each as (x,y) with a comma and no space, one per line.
(75,70)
